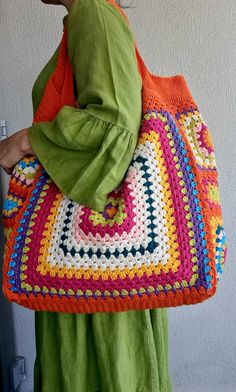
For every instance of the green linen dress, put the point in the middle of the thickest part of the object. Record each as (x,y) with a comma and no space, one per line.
(87,151)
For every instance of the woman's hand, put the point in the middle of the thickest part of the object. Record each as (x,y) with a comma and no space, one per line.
(13,149)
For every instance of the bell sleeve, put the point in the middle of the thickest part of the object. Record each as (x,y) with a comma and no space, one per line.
(87,150)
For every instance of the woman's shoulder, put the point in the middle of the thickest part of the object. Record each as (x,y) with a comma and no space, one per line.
(102,54)
(96,14)
(94,5)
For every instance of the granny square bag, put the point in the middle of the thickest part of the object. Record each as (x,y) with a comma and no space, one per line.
(160,241)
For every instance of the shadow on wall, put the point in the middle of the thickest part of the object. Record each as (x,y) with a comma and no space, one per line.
(7,335)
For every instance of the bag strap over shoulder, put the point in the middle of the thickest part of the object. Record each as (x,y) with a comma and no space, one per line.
(59,90)
(171,92)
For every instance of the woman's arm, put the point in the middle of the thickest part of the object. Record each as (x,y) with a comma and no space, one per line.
(87,151)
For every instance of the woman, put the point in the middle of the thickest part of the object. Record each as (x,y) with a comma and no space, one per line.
(112,352)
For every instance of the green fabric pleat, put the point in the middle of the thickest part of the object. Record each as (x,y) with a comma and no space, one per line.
(102,352)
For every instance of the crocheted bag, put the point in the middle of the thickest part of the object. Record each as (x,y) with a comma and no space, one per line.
(160,241)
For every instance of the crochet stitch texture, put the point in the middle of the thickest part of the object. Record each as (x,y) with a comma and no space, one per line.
(160,241)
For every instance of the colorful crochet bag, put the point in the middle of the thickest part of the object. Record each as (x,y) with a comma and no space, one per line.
(160,241)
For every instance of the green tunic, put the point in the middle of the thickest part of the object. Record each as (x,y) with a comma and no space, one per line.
(87,151)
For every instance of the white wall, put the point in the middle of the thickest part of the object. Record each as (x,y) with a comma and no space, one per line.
(193,37)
